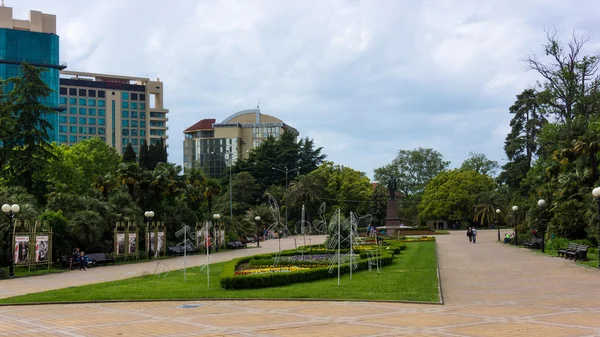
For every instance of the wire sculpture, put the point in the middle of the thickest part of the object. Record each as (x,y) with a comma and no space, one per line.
(205,262)
(187,234)
(320,225)
(277,226)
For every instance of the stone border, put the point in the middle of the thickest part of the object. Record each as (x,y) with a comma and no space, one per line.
(437,262)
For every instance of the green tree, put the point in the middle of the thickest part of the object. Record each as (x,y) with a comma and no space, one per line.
(211,190)
(144,154)
(129,175)
(479,163)
(487,204)
(129,156)
(451,195)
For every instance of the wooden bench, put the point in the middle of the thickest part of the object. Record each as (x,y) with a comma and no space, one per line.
(533,244)
(572,247)
(68,261)
(179,250)
(97,258)
(580,253)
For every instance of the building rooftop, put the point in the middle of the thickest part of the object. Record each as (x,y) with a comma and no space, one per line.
(204,124)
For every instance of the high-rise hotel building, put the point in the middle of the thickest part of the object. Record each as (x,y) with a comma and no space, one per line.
(33,41)
(118,109)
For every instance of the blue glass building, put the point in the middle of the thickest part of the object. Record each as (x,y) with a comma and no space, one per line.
(34,42)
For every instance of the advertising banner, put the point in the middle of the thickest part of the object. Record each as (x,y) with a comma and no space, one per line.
(41,248)
(21,249)
(150,241)
(120,244)
(161,241)
(132,243)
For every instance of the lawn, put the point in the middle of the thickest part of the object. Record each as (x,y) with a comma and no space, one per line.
(412,276)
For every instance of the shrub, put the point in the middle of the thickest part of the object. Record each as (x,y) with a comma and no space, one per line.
(3,273)
(229,280)
(557,243)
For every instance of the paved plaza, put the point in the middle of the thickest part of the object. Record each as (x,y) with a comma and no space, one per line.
(490,289)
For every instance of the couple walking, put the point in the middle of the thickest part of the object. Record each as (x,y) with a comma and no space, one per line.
(472,234)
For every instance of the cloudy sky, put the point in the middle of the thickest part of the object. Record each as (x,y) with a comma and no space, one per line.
(362,78)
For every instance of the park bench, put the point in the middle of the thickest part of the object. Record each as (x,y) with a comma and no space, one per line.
(580,253)
(236,244)
(533,244)
(179,249)
(97,258)
(562,252)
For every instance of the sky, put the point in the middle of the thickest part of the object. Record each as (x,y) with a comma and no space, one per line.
(364,79)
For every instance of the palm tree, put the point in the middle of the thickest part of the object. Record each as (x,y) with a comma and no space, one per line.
(211,189)
(129,174)
(105,184)
(87,227)
(305,189)
(487,204)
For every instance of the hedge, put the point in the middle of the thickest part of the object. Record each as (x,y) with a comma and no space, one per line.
(229,280)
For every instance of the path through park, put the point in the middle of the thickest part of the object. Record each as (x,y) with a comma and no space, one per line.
(490,289)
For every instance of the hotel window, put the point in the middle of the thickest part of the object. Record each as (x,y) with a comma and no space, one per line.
(142,106)
(91,102)
(134,132)
(134,105)
(125,113)
(125,132)
(62,138)
(92,93)
(82,92)
(143,133)
(101,112)
(125,105)
(142,124)
(82,137)
(63,90)
(73,110)
(92,130)
(82,120)
(134,141)
(103,139)
(83,130)
(72,101)
(134,114)
(92,112)
(63,128)
(101,131)
(62,119)
(92,121)
(83,111)
(134,96)
(125,141)
(62,100)
(142,115)
(101,121)
(101,93)
(101,102)
(73,139)
(125,96)
(134,124)
(73,129)
(72,120)
(82,101)
(125,123)
(72,92)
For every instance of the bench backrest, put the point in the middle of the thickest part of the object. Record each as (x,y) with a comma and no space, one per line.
(97,256)
(582,248)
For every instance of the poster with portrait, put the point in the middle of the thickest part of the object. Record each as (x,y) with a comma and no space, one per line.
(41,248)
(21,249)
(150,241)
(161,242)
(120,249)
(221,241)
(132,243)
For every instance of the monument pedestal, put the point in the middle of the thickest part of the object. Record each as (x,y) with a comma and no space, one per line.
(392,218)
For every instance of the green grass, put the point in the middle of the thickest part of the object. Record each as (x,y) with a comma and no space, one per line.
(412,276)
(441,231)
(24,271)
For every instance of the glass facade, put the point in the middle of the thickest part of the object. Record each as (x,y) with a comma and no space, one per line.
(41,50)
(210,155)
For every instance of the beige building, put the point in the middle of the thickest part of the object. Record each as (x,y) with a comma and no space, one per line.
(213,146)
(118,109)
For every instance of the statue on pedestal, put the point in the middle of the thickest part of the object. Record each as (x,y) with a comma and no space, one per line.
(392,187)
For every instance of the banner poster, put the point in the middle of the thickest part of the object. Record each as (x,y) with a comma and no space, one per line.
(161,241)
(41,248)
(151,241)
(132,243)
(21,249)
(222,238)
(199,238)
(120,243)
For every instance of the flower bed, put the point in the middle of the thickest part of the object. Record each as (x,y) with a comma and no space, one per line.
(269,269)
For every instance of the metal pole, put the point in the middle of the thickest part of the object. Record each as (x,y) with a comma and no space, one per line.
(257,234)
(542,227)
(339,245)
(516,231)
(11,266)
(149,239)
(598,200)
(185,254)
(230,191)
(286,199)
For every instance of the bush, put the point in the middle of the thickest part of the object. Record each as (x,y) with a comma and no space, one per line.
(229,280)
(3,273)
(557,243)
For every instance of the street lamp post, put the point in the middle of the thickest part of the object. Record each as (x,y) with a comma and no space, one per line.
(257,219)
(216,217)
(498,211)
(10,212)
(286,171)
(542,205)
(515,209)
(230,190)
(148,215)
(596,194)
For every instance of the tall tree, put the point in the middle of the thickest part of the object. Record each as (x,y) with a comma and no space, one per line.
(479,163)
(144,155)
(129,156)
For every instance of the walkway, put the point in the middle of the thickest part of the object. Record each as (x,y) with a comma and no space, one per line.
(490,289)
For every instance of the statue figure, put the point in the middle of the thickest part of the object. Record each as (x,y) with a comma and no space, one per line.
(392,187)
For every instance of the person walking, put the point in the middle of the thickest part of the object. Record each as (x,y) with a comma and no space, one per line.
(470,234)
(474,230)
